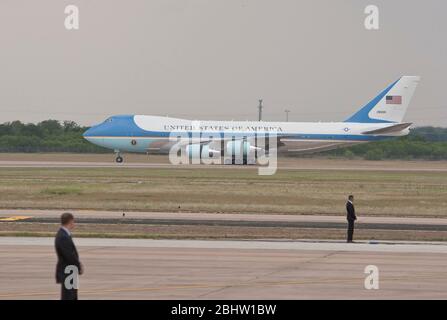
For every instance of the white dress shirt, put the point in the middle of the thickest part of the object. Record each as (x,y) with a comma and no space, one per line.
(66,230)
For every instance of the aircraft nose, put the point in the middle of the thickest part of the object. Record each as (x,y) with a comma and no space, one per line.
(90,133)
(87,133)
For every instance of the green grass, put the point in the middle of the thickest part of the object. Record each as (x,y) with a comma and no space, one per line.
(62,191)
(225,190)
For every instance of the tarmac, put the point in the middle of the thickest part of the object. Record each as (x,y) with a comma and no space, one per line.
(301,164)
(192,269)
(224,219)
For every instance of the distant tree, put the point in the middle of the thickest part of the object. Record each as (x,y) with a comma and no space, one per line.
(70,126)
(16,127)
(374,154)
(50,127)
(348,154)
(430,133)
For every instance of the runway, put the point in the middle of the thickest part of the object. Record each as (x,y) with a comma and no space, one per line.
(222,219)
(72,164)
(174,269)
(283,164)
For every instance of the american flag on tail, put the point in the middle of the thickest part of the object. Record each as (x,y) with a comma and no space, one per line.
(393,99)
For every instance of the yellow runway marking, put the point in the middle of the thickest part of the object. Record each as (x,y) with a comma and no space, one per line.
(15,218)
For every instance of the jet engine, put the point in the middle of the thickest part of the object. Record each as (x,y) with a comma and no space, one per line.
(200,151)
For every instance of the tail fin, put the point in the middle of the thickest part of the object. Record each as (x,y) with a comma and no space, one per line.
(391,105)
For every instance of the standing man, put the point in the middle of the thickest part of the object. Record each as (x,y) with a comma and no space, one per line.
(68,265)
(351,217)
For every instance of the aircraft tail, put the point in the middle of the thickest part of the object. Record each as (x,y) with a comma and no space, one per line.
(389,106)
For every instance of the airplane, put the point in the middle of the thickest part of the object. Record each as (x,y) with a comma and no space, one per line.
(380,119)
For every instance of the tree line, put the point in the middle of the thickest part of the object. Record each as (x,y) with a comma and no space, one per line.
(427,143)
(45,136)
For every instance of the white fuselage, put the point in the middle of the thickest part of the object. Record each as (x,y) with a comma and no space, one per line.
(152,133)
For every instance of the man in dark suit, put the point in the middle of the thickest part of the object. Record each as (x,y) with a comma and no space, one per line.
(351,217)
(68,265)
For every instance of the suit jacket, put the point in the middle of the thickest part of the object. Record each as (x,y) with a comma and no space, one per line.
(67,255)
(351,212)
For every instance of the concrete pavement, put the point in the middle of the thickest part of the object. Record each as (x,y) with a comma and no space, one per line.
(173,269)
(283,164)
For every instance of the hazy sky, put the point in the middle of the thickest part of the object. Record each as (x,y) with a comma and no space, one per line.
(213,59)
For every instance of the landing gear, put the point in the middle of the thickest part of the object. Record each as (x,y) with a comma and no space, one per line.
(245,161)
(119,158)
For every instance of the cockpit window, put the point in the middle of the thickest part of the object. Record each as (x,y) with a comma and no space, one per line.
(109,120)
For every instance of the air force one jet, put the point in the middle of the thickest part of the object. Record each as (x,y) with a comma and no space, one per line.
(380,119)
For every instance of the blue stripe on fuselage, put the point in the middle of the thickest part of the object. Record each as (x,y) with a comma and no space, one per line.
(155,135)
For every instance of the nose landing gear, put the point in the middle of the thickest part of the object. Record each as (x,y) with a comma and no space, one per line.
(119,158)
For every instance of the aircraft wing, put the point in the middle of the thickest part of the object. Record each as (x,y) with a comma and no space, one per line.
(392,129)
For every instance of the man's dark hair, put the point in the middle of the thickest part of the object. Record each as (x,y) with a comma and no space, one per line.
(66,218)
(351,197)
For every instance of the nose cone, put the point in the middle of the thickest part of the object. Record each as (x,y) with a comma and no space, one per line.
(93,133)
(88,134)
